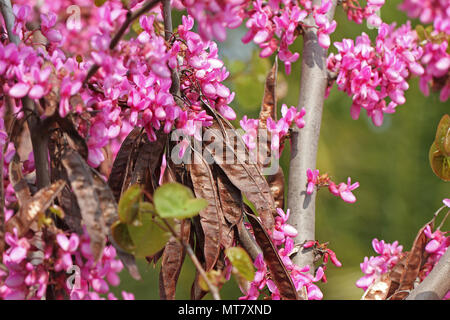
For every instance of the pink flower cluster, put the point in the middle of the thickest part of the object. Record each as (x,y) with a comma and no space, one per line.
(371,74)
(357,13)
(272,24)
(436,247)
(436,60)
(213,16)
(342,190)
(22,280)
(28,275)
(92,279)
(278,129)
(131,87)
(436,57)
(374,267)
(428,11)
(284,20)
(202,73)
(282,237)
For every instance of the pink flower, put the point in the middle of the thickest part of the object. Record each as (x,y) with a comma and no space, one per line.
(446,202)
(312,180)
(344,190)
(68,88)
(389,255)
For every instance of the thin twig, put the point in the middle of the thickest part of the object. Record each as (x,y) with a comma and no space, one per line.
(115,40)
(212,288)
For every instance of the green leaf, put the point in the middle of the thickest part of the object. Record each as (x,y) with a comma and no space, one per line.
(442,139)
(214,276)
(122,237)
(240,260)
(149,237)
(440,164)
(129,204)
(173,200)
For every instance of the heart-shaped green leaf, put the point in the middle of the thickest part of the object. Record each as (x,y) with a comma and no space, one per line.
(122,237)
(440,164)
(240,260)
(129,204)
(148,238)
(173,200)
(443,135)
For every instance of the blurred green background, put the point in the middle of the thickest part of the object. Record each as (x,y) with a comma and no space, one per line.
(398,192)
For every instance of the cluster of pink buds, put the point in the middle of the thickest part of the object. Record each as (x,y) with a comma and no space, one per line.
(371,74)
(358,14)
(342,190)
(282,236)
(279,130)
(374,267)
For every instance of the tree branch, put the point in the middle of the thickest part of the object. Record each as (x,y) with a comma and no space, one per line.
(304,142)
(115,40)
(38,133)
(9,18)
(436,285)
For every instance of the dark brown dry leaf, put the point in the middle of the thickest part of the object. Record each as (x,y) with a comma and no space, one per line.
(130,263)
(125,155)
(396,274)
(153,259)
(269,103)
(149,157)
(172,261)
(72,136)
(230,198)
(227,233)
(72,217)
(378,290)
(108,206)
(82,183)
(242,172)
(268,110)
(29,212)
(197,293)
(276,183)
(205,187)
(277,269)
(413,264)
(18,182)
